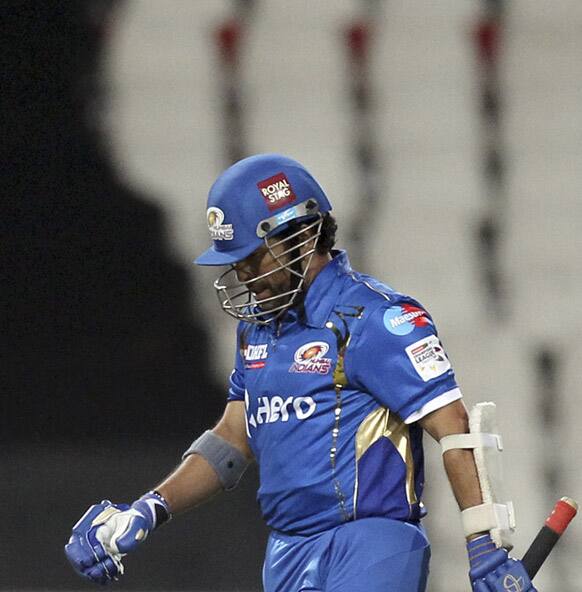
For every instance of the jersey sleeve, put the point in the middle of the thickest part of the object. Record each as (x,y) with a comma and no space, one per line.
(236,387)
(398,358)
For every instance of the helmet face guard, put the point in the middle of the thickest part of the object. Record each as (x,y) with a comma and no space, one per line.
(266,201)
(237,298)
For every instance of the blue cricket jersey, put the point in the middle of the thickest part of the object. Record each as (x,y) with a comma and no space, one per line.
(332,394)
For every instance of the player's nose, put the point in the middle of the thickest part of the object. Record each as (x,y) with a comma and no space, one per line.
(243,272)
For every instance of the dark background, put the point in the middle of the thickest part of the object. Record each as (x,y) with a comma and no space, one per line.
(105,369)
(447,135)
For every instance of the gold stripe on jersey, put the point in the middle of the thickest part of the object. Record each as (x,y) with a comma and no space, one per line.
(381,423)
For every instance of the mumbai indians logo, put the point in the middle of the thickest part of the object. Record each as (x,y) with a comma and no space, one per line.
(218,230)
(309,359)
(402,320)
(512,584)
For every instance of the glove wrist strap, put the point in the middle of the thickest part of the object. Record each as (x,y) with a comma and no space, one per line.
(161,508)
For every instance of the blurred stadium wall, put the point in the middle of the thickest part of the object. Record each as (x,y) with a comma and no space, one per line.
(448,136)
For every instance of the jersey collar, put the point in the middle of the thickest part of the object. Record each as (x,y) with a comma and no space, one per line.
(323,292)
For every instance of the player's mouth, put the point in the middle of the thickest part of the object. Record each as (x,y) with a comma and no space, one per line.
(261,292)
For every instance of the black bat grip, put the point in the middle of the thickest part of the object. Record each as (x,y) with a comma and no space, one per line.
(556,523)
(539,550)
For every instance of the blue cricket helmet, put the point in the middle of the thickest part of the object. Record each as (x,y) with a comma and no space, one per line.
(254,198)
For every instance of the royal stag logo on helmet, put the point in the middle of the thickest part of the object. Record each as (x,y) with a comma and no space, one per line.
(276,191)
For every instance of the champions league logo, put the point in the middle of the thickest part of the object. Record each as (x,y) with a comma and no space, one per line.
(218,230)
(402,320)
(428,357)
(309,359)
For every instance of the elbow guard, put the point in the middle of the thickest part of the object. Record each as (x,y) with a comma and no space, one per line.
(493,515)
(228,461)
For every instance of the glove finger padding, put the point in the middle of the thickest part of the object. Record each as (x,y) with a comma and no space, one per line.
(86,552)
(79,553)
(99,574)
(85,562)
(486,563)
(481,586)
(113,565)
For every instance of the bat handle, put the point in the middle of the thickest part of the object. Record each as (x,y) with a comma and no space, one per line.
(555,525)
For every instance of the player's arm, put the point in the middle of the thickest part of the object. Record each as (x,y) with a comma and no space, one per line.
(106,532)
(490,566)
(396,355)
(459,463)
(196,479)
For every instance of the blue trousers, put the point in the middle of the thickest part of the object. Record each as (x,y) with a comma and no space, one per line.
(368,555)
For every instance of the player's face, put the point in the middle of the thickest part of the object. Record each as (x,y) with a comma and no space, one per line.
(259,263)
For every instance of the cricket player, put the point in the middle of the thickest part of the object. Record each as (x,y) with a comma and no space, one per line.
(336,378)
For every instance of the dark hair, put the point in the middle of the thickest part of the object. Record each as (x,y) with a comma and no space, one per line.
(326,240)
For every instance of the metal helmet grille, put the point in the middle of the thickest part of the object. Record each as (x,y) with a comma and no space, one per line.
(237,299)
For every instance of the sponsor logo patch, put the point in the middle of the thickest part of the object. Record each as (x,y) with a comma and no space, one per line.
(428,357)
(274,409)
(255,356)
(218,230)
(309,359)
(402,320)
(276,191)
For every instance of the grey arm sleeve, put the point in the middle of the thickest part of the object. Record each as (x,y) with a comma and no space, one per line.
(227,460)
